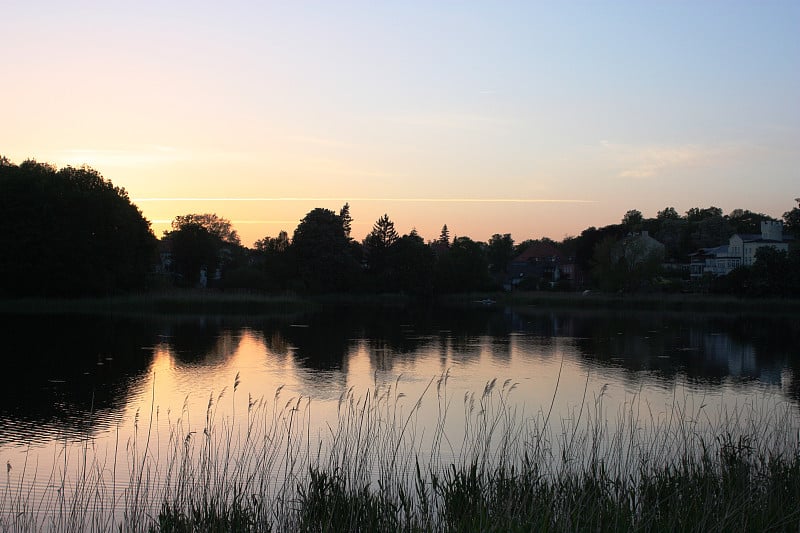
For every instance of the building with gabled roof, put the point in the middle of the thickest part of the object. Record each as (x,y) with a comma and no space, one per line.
(740,251)
(542,261)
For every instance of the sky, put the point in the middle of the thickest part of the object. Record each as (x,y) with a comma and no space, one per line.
(530,118)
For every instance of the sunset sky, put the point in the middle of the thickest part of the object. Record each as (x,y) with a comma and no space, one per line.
(530,118)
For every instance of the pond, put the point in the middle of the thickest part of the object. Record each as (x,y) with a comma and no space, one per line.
(126,390)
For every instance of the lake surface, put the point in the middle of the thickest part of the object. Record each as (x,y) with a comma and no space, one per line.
(72,380)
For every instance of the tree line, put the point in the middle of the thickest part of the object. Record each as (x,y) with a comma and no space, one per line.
(682,235)
(70,232)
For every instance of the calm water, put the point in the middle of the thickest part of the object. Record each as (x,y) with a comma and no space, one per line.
(73,379)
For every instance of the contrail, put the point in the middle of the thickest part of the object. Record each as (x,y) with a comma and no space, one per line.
(169,220)
(340,199)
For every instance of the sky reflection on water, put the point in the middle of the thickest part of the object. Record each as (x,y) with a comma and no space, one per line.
(102,377)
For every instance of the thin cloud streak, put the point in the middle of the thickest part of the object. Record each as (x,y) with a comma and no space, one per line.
(348,199)
(655,160)
(170,220)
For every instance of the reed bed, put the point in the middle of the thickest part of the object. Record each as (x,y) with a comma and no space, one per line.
(376,467)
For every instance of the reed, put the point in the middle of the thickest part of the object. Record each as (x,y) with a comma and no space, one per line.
(376,467)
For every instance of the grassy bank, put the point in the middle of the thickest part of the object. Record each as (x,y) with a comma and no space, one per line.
(174,302)
(696,303)
(374,469)
(198,302)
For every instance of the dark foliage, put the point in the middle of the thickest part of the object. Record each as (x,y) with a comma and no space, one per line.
(69,232)
(211,518)
(219,227)
(791,222)
(734,489)
(500,252)
(411,263)
(329,504)
(377,244)
(323,253)
(204,242)
(775,273)
(193,248)
(463,268)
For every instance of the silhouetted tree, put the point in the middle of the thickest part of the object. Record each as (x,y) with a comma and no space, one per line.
(444,236)
(464,268)
(69,232)
(791,222)
(219,227)
(641,262)
(696,214)
(710,231)
(771,273)
(774,273)
(632,220)
(194,249)
(588,240)
(203,242)
(630,263)
(377,243)
(744,221)
(277,260)
(277,244)
(383,234)
(411,265)
(322,251)
(347,220)
(737,282)
(674,234)
(500,252)
(606,269)
(668,213)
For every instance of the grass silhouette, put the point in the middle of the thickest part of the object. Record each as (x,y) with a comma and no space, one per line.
(375,468)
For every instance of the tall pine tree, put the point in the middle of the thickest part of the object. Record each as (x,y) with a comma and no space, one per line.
(347,220)
(444,237)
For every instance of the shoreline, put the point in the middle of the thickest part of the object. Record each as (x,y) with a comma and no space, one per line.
(595,301)
(204,302)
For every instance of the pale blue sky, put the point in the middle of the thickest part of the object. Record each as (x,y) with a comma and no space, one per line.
(619,105)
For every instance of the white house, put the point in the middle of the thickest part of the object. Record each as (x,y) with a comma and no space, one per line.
(740,250)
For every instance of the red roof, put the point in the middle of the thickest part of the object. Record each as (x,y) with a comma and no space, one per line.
(537,252)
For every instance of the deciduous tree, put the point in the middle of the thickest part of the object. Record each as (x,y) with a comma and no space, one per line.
(744,221)
(69,232)
(464,268)
(632,220)
(696,214)
(203,241)
(216,226)
(668,213)
(411,265)
(791,222)
(323,253)
(194,249)
(500,252)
